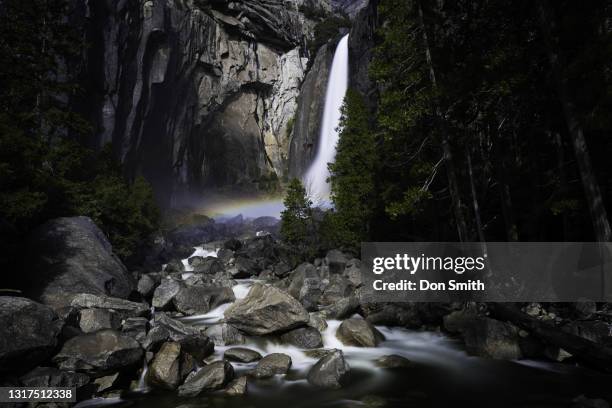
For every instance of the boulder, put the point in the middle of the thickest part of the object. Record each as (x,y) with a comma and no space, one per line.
(236,387)
(211,377)
(146,285)
(303,337)
(68,256)
(123,308)
(484,336)
(338,288)
(192,339)
(241,355)
(209,265)
(306,286)
(393,361)
(106,383)
(329,370)
(272,364)
(317,320)
(336,261)
(266,310)
(359,333)
(232,244)
(199,299)
(224,334)
(352,272)
(91,320)
(54,377)
(164,370)
(165,292)
(341,308)
(28,333)
(99,353)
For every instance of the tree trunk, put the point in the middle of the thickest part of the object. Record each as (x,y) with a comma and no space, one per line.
(597,210)
(446,148)
(504,192)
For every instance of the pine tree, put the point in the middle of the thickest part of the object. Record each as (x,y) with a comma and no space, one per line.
(352,175)
(296,218)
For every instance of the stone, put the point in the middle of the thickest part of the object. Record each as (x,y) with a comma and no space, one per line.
(99,353)
(336,261)
(53,377)
(135,327)
(359,333)
(164,293)
(329,370)
(241,355)
(393,361)
(199,299)
(271,365)
(306,286)
(236,387)
(317,320)
(484,336)
(164,370)
(68,256)
(211,377)
(146,285)
(106,383)
(123,308)
(224,334)
(266,310)
(303,337)
(28,333)
(352,272)
(209,265)
(91,320)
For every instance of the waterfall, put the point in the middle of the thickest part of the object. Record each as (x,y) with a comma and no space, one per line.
(316,177)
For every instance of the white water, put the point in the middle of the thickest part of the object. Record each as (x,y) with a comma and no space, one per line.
(316,177)
(198,251)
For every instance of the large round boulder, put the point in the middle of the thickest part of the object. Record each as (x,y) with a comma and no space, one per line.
(266,310)
(71,255)
(28,333)
(359,333)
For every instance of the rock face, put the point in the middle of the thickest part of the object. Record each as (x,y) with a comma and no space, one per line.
(329,370)
(28,333)
(305,135)
(195,94)
(266,310)
(212,377)
(358,332)
(361,45)
(99,353)
(69,256)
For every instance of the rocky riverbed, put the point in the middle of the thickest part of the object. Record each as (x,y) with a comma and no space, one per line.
(224,315)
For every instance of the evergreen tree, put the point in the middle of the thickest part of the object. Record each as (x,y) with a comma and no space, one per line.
(296,218)
(353,173)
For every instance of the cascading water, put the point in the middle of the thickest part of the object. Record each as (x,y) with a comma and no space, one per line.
(316,177)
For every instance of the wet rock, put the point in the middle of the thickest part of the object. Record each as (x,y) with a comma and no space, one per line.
(135,327)
(68,256)
(272,364)
(306,286)
(175,265)
(317,320)
(303,337)
(224,334)
(241,355)
(243,267)
(352,272)
(341,308)
(91,320)
(338,288)
(329,371)
(266,310)
(28,333)
(146,285)
(106,383)
(99,353)
(484,336)
(209,265)
(193,340)
(164,371)
(164,293)
(211,377)
(359,333)
(197,345)
(236,387)
(198,299)
(123,308)
(336,261)
(393,361)
(225,255)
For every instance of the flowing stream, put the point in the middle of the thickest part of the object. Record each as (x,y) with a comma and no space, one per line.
(316,177)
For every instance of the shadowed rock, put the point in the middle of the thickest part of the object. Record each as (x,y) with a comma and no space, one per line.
(329,370)
(242,355)
(212,377)
(236,387)
(359,333)
(272,364)
(303,337)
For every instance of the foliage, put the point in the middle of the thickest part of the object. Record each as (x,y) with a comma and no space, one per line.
(325,30)
(44,171)
(296,218)
(353,173)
